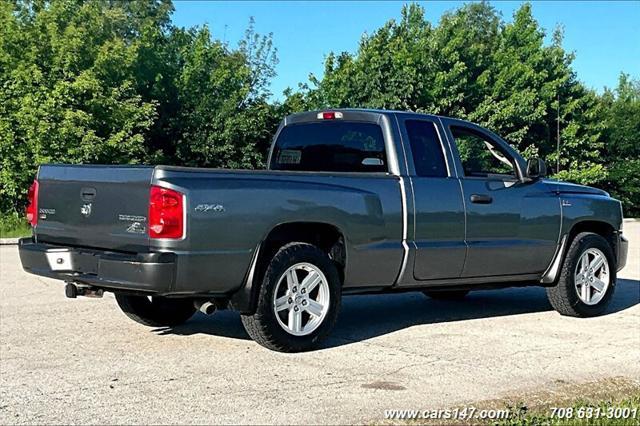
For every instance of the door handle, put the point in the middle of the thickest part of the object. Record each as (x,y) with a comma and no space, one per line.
(481,199)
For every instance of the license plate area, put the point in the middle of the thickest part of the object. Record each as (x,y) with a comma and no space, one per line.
(59,260)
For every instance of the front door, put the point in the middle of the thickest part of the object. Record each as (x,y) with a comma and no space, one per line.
(512,225)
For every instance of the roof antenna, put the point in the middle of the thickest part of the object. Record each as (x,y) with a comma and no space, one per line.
(558,136)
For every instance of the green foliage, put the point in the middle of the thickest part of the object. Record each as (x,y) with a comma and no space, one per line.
(13,225)
(114,82)
(67,90)
(474,65)
(224,117)
(583,413)
(621,111)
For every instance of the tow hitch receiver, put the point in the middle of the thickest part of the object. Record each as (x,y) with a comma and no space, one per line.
(71,290)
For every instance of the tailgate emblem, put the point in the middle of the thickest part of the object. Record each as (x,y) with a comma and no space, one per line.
(85,210)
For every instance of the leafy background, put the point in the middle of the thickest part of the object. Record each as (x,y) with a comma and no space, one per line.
(116,82)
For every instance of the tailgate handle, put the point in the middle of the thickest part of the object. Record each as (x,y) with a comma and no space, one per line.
(88,194)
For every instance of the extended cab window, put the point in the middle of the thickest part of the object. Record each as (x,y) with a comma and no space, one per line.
(480,156)
(330,146)
(427,153)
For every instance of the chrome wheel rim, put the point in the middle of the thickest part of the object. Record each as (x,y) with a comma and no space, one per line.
(301,299)
(592,276)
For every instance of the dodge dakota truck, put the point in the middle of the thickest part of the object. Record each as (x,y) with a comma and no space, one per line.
(352,201)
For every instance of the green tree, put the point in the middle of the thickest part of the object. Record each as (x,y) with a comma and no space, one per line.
(466,42)
(67,89)
(621,112)
(115,82)
(224,119)
(112,81)
(387,72)
(472,65)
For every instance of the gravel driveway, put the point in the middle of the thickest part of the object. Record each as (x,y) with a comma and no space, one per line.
(83,361)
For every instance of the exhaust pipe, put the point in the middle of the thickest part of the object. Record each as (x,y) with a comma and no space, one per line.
(206,307)
(71,290)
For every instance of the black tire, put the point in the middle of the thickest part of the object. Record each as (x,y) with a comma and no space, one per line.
(564,296)
(263,326)
(157,312)
(446,295)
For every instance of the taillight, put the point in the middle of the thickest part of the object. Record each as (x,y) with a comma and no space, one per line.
(32,207)
(166,213)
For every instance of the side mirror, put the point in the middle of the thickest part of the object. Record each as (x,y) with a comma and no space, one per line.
(536,168)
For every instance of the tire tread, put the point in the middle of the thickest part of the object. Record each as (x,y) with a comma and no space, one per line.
(561,295)
(263,329)
(143,313)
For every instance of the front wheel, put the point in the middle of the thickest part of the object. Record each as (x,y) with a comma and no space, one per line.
(587,279)
(298,302)
(155,311)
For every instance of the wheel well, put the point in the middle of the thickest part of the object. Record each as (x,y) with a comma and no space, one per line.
(603,229)
(326,237)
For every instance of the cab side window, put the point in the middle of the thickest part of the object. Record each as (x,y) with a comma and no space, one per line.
(426,149)
(480,156)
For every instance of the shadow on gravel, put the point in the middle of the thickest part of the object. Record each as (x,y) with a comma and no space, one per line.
(368,316)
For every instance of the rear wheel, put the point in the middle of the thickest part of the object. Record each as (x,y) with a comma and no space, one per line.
(446,295)
(588,277)
(155,311)
(298,302)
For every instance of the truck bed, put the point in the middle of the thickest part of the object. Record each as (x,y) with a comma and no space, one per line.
(228,213)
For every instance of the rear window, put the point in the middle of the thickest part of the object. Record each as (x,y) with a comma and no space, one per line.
(428,157)
(330,146)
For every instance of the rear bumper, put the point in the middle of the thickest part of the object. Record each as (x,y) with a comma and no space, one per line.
(144,272)
(623,249)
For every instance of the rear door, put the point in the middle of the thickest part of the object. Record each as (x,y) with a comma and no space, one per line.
(439,222)
(102,207)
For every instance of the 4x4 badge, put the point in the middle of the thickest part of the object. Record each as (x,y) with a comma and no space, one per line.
(209,207)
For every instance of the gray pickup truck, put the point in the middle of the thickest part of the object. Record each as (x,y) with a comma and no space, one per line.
(353,201)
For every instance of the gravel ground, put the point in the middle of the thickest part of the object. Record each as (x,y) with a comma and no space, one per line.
(83,361)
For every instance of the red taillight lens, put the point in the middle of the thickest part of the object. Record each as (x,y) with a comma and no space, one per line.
(166,213)
(32,207)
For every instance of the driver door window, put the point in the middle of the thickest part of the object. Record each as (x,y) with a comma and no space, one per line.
(480,156)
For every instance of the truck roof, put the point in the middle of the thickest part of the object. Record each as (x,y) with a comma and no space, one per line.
(312,115)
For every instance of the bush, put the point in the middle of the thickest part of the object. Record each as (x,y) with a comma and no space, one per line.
(109,82)
(13,225)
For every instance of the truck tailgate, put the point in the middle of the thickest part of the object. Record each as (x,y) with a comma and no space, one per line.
(97,206)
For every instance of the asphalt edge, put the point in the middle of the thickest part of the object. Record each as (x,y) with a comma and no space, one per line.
(8,241)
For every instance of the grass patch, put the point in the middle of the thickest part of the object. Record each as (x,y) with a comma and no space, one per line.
(583,412)
(12,226)
(615,396)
